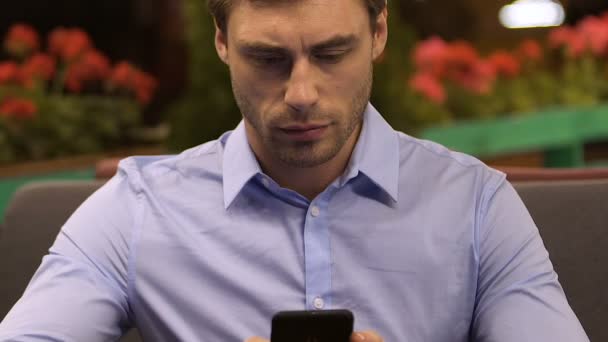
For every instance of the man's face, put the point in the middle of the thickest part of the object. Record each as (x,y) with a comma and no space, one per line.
(301,74)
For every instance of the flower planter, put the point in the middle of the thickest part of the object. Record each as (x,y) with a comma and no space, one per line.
(78,162)
(65,97)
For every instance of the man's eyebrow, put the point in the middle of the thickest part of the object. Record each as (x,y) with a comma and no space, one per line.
(261,48)
(337,41)
(265,48)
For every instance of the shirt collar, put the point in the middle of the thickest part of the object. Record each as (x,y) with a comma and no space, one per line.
(376,155)
(239,164)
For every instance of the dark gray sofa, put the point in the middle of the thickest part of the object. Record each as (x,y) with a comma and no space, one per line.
(572,217)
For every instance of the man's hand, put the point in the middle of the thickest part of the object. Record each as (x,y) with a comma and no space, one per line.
(364,336)
(367,336)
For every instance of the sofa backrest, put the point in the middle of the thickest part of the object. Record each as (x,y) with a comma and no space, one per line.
(572,217)
(32,220)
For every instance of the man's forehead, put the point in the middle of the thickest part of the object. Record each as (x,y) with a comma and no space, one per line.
(275,3)
(314,22)
(302,12)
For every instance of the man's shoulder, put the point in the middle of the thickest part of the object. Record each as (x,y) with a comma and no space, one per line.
(435,160)
(198,160)
(430,149)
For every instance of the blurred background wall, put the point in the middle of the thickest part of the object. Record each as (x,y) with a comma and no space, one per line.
(172,40)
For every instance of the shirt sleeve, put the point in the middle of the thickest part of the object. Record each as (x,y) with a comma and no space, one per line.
(519,297)
(80,291)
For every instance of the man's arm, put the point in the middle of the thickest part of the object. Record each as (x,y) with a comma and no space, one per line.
(518,295)
(79,293)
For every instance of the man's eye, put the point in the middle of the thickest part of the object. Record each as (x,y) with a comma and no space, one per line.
(330,57)
(270,60)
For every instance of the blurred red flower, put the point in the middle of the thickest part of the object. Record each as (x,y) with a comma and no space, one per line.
(69,44)
(91,67)
(465,67)
(430,55)
(9,73)
(17,108)
(126,76)
(458,62)
(460,59)
(569,38)
(145,86)
(39,67)
(82,67)
(21,40)
(594,31)
(461,54)
(504,64)
(530,50)
(122,74)
(429,86)
(479,79)
(561,36)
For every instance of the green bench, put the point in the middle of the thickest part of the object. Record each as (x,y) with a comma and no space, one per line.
(559,133)
(8,185)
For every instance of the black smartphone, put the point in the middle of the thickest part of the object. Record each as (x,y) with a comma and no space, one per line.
(312,326)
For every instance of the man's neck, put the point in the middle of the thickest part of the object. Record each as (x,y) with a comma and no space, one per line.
(308,182)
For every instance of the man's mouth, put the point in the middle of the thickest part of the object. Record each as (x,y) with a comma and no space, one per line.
(304,132)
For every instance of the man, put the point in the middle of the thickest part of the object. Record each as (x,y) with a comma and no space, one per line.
(312,202)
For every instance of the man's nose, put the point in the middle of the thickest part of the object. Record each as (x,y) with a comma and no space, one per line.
(302,92)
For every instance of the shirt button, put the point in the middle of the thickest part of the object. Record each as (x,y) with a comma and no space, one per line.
(266,182)
(318,303)
(315,211)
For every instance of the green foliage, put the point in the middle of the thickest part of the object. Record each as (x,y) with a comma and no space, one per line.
(390,95)
(67,125)
(581,84)
(208,108)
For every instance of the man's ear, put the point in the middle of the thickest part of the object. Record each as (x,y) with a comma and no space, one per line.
(381,34)
(221,44)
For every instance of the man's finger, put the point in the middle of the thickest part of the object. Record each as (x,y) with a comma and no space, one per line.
(256,339)
(366,336)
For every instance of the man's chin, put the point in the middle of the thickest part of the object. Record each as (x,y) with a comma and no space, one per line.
(306,156)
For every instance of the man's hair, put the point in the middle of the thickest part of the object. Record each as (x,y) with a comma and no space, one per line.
(220,10)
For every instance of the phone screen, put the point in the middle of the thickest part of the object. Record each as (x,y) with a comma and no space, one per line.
(312,326)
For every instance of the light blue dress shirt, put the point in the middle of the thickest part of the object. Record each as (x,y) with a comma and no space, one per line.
(421,243)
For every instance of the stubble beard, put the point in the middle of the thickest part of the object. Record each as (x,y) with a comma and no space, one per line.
(306,154)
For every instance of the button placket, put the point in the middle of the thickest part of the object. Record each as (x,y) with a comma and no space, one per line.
(317,254)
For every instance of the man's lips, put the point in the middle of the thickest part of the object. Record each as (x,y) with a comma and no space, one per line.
(304,132)
(306,127)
